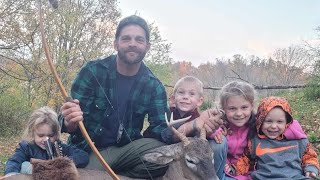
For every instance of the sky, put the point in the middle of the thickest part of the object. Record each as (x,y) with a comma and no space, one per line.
(202,30)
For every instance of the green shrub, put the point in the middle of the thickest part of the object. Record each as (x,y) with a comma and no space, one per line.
(13,115)
(312,137)
(205,105)
(312,91)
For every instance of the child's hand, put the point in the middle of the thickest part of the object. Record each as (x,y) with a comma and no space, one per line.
(218,137)
(228,169)
(311,174)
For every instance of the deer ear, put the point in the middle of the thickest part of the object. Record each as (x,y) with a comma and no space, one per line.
(163,154)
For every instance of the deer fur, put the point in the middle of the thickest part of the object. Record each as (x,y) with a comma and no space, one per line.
(84,174)
(61,166)
(192,161)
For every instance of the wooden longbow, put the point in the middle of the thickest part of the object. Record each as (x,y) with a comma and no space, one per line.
(65,94)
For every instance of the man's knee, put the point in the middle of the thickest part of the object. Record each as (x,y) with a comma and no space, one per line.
(145,144)
(94,163)
(146,170)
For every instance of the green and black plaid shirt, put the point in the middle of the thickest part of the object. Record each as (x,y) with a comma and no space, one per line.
(95,87)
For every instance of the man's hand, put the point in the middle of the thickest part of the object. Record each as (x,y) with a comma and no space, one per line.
(211,119)
(72,114)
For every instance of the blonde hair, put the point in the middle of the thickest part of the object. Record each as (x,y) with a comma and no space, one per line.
(237,88)
(190,79)
(43,115)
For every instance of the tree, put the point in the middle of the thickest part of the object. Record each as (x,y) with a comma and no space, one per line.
(76,32)
(313,91)
(315,51)
(158,58)
(292,61)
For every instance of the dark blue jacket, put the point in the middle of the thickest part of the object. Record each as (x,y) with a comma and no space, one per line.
(27,150)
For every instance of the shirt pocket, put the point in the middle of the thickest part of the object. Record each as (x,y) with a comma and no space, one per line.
(101,111)
(102,107)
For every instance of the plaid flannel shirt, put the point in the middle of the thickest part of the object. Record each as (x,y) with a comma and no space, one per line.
(95,87)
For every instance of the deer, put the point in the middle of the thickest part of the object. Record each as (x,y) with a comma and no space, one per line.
(191,158)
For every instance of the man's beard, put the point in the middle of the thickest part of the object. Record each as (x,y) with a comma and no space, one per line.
(127,60)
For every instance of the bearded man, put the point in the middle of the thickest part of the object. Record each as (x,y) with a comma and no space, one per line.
(112,96)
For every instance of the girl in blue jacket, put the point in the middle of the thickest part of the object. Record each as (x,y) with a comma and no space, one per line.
(42,125)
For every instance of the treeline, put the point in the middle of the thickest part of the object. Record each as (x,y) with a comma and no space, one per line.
(289,67)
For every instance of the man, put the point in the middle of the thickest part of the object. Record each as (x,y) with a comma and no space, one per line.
(112,96)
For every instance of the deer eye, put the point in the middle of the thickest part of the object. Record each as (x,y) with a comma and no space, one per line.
(190,160)
(191,163)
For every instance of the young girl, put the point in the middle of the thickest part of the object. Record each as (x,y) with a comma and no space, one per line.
(42,125)
(274,155)
(237,99)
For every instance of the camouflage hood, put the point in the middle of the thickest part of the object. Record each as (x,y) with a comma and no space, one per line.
(267,104)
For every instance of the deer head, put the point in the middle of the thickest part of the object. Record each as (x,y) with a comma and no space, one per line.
(189,159)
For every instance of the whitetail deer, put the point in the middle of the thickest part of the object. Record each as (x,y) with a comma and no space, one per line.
(192,158)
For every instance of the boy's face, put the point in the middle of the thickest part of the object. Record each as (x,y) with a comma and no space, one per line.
(187,98)
(41,133)
(275,123)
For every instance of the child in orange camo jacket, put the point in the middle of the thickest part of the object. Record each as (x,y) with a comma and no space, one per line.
(274,155)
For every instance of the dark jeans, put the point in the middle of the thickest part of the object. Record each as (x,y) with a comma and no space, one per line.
(127,160)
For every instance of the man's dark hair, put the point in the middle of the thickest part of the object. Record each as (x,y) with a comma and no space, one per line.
(133,20)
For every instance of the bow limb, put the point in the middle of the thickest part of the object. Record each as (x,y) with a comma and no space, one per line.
(65,96)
